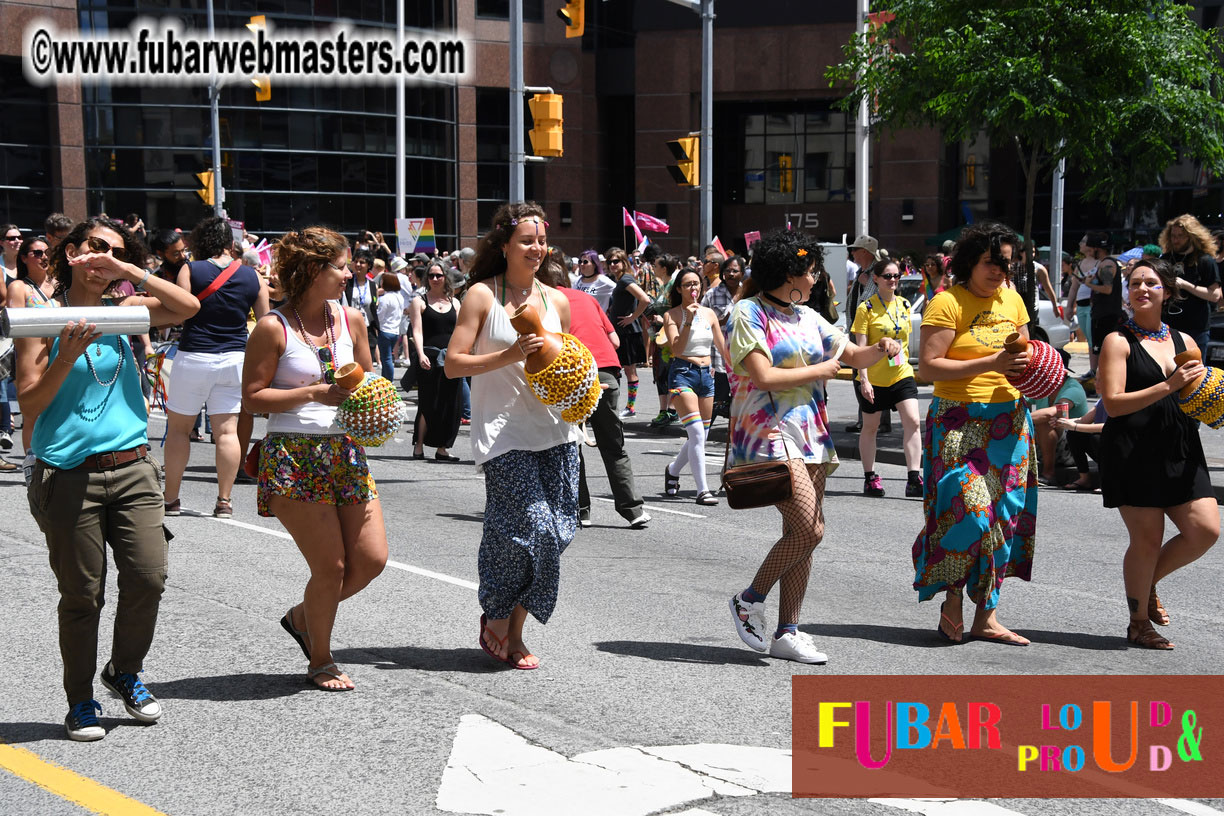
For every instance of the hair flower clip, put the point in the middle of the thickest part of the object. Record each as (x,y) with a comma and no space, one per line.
(802,253)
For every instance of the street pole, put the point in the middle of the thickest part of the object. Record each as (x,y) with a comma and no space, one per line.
(214,92)
(707,121)
(516,100)
(400,166)
(862,141)
(1056,225)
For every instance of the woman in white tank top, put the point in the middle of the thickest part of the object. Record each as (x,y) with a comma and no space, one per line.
(527,452)
(312,476)
(692,330)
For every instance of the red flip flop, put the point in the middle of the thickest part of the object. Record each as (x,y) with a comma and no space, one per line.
(509,659)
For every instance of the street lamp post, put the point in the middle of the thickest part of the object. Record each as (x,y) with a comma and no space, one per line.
(214,92)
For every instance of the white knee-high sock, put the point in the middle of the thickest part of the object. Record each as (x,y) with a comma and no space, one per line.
(695,448)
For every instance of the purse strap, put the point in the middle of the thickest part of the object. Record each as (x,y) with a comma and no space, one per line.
(731,420)
(220,280)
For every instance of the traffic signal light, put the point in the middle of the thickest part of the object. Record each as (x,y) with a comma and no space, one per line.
(786,176)
(575,18)
(263,84)
(686,170)
(207,193)
(547,124)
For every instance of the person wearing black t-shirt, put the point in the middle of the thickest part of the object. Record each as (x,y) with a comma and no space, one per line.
(1190,248)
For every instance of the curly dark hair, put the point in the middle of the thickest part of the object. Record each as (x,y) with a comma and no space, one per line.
(211,237)
(779,256)
(299,257)
(490,259)
(133,247)
(977,239)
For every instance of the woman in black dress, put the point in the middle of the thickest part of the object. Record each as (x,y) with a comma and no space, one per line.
(433,321)
(1152,462)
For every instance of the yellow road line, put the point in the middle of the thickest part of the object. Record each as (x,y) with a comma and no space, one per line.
(91,795)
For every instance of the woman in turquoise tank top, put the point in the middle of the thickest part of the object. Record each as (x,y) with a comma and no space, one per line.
(94,482)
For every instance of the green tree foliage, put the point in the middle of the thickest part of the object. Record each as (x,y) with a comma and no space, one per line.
(1117,87)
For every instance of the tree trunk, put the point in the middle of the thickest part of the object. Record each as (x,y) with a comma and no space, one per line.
(1028,274)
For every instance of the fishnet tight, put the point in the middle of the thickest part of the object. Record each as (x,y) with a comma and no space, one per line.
(790,560)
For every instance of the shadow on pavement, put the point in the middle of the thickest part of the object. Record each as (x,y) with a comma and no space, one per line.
(472,661)
(227,687)
(475,518)
(909,636)
(682,653)
(19,732)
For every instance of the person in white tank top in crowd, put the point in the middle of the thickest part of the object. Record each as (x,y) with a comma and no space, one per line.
(692,330)
(528,453)
(312,476)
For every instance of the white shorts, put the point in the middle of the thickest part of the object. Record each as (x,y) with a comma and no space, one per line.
(204,379)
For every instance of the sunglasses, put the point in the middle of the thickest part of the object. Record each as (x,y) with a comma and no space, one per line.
(37,253)
(584,262)
(615,262)
(436,276)
(16,237)
(96,244)
(890,276)
(325,358)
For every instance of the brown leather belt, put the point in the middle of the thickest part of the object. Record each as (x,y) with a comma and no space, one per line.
(115,459)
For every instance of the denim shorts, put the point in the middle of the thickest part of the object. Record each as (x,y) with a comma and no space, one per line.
(683,375)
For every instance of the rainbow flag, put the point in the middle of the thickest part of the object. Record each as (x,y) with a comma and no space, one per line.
(415,235)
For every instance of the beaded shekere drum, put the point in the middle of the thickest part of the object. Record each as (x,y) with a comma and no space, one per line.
(1043,375)
(1203,398)
(562,373)
(373,412)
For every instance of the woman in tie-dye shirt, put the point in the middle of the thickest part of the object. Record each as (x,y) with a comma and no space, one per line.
(782,354)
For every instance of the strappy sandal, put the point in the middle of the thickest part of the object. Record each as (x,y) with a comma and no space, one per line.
(331,670)
(223,509)
(1157,614)
(671,484)
(1141,633)
(957,628)
(297,634)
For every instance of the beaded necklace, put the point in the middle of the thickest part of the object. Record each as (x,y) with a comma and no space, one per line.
(98,353)
(326,367)
(1159,335)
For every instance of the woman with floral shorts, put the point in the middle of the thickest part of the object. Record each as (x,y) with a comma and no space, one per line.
(312,476)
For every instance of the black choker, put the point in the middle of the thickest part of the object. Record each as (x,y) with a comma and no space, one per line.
(785,304)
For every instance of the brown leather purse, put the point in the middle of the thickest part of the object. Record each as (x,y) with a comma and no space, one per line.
(758,484)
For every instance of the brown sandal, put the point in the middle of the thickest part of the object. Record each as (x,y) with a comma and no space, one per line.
(1141,633)
(1157,614)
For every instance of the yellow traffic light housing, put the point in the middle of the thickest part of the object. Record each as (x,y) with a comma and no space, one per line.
(575,18)
(786,176)
(263,84)
(548,124)
(686,170)
(207,193)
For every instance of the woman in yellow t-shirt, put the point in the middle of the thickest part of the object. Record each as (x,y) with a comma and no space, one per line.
(889,384)
(980,499)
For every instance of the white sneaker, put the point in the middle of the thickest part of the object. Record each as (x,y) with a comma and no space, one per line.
(627,414)
(6,441)
(749,622)
(798,647)
(640,520)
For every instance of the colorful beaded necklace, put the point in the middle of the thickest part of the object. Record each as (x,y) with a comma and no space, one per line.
(1159,335)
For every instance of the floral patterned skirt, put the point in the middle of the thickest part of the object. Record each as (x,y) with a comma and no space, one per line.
(980,504)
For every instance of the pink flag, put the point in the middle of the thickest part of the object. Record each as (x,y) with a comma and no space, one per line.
(718,245)
(649,222)
(629,222)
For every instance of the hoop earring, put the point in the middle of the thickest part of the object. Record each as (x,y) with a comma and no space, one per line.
(1173,308)
(793,297)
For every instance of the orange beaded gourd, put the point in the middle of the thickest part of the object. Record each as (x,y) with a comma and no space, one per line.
(562,373)
(373,412)
(1203,397)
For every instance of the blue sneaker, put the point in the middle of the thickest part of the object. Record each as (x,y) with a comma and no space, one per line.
(136,698)
(82,722)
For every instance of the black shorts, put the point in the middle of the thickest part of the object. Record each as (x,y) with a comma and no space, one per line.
(887,397)
(632,351)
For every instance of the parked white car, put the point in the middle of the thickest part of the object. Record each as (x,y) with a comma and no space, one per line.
(1050,328)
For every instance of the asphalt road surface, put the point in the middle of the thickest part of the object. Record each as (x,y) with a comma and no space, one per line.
(645,702)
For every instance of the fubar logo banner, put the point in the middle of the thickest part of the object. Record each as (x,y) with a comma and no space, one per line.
(1078,736)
